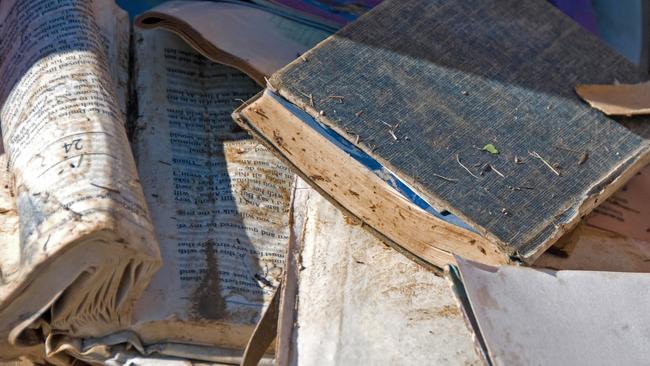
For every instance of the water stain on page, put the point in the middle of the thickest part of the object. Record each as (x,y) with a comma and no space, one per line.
(448,311)
(207,301)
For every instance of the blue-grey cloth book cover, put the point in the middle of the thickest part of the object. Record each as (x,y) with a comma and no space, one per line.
(470,105)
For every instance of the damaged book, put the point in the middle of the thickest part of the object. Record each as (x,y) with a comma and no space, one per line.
(447,130)
(136,219)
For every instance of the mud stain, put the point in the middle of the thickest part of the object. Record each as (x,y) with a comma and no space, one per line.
(207,300)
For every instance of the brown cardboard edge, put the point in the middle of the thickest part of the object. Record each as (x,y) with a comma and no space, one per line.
(617,99)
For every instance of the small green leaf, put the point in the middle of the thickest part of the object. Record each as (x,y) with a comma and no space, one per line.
(490,148)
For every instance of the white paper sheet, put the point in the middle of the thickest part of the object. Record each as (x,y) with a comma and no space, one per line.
(360,302)
(541,317)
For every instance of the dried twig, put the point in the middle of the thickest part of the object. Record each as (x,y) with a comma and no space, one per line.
(464,167)
(391,129)
(583,157)
(269,85)
(537,156)
(519,188)
(240,100)
(339,98)
(445,178)
(311,98)
(496,171)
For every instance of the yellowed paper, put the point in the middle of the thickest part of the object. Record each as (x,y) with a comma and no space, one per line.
(219,202)
(85,247)
(627,212)
(359,302)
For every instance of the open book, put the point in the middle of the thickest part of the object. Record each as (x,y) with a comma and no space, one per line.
(170,245)
(447,130)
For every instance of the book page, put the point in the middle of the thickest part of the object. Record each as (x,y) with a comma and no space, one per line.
(10,256)
(63,73)
(10,249)
(593,249)
(617,99)
(358,301)
(627,212)
(614,237)
(253,40)
(219,200)
(61,121)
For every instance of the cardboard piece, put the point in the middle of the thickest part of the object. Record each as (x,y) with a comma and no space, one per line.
(617,99)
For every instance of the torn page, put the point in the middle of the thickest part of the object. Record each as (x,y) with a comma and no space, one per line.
(10,252)
(614,237)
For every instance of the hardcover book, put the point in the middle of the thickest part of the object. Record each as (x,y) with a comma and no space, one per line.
(453,127)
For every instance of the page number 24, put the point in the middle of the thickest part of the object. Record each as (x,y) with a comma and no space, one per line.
(74,144)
